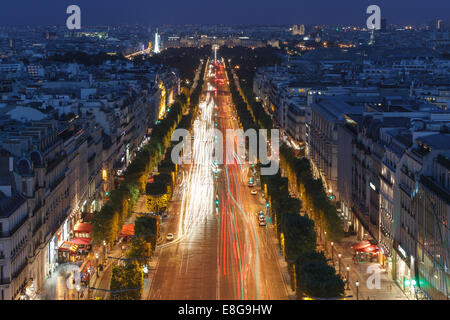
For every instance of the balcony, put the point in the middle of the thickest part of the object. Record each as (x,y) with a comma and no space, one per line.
(57,182)
(20,269)
(9,233)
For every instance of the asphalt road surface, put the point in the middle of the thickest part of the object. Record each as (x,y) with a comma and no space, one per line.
(219,252)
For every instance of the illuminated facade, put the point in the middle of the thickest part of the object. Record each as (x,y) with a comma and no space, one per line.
(157,48)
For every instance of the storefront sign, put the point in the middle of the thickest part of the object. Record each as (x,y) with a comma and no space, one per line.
(403,252)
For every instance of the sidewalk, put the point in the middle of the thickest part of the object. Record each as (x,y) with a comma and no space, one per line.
(104,279)
(361,272)
(60,285)
(153,265)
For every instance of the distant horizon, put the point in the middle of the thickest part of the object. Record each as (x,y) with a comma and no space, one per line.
(213,25)
(232,13)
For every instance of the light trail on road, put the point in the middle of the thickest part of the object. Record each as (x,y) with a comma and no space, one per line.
(220,251)
(197,195)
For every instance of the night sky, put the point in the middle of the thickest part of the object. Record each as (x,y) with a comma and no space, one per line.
(274,12)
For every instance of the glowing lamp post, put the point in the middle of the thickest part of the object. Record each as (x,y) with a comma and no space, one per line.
(96,262)
(332,252)
(348,277)
(339,256)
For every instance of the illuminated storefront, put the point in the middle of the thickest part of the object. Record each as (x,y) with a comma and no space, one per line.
(162,101)
(402,272)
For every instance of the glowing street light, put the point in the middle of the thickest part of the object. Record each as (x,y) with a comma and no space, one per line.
(357,289)
(348,277)
(339,256)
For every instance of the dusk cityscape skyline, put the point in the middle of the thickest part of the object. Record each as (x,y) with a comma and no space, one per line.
(225,158)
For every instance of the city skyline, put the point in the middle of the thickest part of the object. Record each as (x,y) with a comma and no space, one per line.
(256,161)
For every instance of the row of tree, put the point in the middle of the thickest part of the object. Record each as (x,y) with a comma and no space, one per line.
(109,220)
(128,278)
(311,274)
(160,191)
(298,239)
(312,192)
(182,59)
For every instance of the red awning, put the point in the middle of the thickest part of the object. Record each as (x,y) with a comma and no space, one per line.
(361,245)
(84,227)
(127,230)
(372,248)
(68,246)
(81,241)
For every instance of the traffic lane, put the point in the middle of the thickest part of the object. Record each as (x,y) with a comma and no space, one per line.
(187,270)
(271,276)
(248,271)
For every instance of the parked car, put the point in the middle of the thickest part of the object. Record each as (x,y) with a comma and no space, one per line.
(170,237)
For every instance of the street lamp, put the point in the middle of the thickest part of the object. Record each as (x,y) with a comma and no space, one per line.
(96,261)
(339,256)
(357,289)
(78,290)
(332,252)
(348,277)
(325,240)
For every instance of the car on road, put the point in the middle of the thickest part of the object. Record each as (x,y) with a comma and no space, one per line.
(254,192)
(170,237)
(262,222)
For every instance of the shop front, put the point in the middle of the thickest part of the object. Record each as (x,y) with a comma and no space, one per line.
(83,230)
(52,255)
(67,252)
(347,217)
(84,246)
(30,290)
(402,272)
(365,251)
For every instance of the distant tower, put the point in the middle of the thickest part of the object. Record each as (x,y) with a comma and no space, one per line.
(302,29)
(372,37)
(439,25)
(215,48)
(383,24)
(157,48)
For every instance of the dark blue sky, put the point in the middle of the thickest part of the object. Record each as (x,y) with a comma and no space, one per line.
(101,12)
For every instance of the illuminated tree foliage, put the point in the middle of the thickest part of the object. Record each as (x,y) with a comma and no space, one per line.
(148,228)
(317,279)
(313,277)
(123,199)
(139,251)
(127,281)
